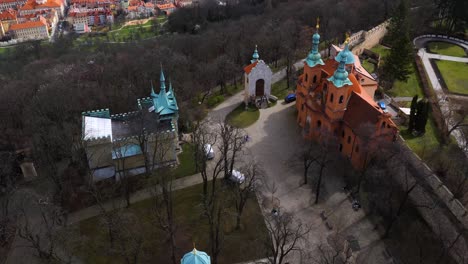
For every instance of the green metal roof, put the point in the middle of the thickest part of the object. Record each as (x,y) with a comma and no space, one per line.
(126,151)
(314,57)
(255,55)
(196,257)
(340,77)
(346,55)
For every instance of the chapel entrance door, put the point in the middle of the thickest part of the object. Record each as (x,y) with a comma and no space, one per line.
(260,87)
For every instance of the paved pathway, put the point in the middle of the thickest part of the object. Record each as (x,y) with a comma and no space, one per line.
(436,85)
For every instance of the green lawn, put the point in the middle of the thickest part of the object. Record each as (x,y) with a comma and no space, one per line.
(370,67)
(445,48)
(383,51)
(186,163)
(280,90)
(239,245)
(424,144)
(409,88)
(241,117)
(455,75)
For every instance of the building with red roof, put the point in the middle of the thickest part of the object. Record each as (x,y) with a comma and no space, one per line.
(7,18)
(33,6)
(165,8)
(30,30)
(14,4)
(257,81)
(335,101)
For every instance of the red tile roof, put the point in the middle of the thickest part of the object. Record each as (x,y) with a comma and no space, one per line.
(166,6)
(29,24)
(360,112)
(249,68)
(32,4)
(8,14)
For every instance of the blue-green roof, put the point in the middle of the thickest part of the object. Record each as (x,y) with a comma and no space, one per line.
(255,55)
(126,151)
(196,257)
(340,77)
(314,57)
(345,55)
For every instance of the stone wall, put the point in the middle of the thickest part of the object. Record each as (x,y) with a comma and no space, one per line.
(444,214)
(367,39)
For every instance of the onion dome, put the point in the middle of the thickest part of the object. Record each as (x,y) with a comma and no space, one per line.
(314,56)
(340,77)
(345,54)
(196,257)
(255,55)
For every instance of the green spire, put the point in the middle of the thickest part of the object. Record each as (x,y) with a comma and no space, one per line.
(314,56)
(162,80)
(340,77)
(255,55)
(345,54)
(153,94)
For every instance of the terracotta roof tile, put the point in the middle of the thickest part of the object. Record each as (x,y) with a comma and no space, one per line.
(360,112)
(249,68)
(29,24)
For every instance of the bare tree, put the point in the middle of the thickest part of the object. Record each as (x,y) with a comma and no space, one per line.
(40,225)
(327,151)
(245,191)
(163,209)
(8,178)
(232,142)
(305,158)
(285,233)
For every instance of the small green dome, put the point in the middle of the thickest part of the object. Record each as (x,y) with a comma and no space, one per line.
(345,55)
(196,257)
(316,37)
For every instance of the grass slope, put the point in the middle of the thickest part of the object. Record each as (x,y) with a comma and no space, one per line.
(239,245)
(445,48)
(455,75)
(241,117)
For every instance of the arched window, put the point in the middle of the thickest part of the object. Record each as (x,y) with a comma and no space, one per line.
(315,79)
(357,148)
(331,98)
(342,134)
(383,124)
(306,77)
(319,123)
(349,139)
(340,100)
(341,147)
(325,87)
(302,107)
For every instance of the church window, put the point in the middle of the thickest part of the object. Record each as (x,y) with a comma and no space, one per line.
(331,98)
(341,100)
(315,79)
(302,107)
(319,123)
(357,148)
(306,77)
(349,139)
(341,147)
(383,124)
(342,134)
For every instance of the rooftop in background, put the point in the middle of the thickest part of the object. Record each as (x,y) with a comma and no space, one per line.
(97,127)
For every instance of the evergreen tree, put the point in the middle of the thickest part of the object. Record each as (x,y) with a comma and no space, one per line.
(424,116)
(397,64)
(412,117)
(421,117)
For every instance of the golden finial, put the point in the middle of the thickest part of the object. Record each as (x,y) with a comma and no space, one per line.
(194,249)
(317,26)
(347,38)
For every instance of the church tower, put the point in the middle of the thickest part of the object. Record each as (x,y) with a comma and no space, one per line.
(336,88)
(312,69)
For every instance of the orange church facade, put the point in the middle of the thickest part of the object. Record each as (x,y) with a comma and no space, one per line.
(332,103)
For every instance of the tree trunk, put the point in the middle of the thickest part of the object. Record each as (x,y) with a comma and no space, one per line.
(317,191)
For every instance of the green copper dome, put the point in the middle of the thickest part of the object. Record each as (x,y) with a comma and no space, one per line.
(196,257)
(314,57)
(255,55)
(345,55)
(340,77)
